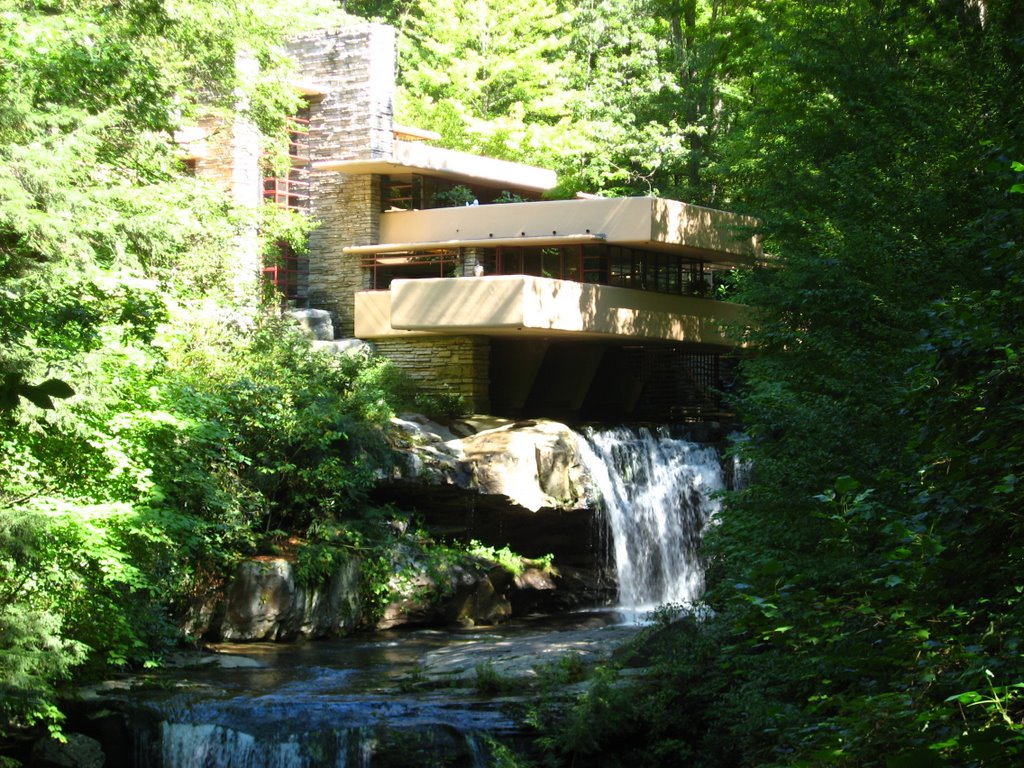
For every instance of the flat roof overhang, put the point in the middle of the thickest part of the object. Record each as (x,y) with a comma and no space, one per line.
(524,306)
(649,223)
(416,157)
(408,248)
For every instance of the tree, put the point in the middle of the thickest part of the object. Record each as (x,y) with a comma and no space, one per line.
(101,235)
(651,82)
(488,77)
(875,148)
(625,97)
(864,588)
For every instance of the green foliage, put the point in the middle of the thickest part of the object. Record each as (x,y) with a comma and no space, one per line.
(508,197)
(146,440)
(443,404)
(453,196)
(184,462)
(295,432)
(504,557)
(490,682)
(283,226)
(864,596)
(627,97)
(481,73)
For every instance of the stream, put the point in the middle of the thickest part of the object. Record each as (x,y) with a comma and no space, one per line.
(426,697)
(401,698)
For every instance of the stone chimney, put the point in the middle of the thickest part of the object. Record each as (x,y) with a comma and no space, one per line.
(354,67)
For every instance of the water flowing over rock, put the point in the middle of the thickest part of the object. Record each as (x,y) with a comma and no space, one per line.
(658,493)
(412,700)
(191,745)
(622,510)
(627,506)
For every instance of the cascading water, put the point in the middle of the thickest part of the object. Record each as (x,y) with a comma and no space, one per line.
(328,705)
(657,494)
(341,705)
(188,745)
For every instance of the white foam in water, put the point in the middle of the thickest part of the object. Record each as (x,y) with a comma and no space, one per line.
(206,745)
(656,492)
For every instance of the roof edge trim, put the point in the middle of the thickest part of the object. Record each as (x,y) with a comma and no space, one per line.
(369,250)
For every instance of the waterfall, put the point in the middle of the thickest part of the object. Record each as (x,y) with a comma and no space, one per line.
(207,745)
(657,495)
(216,745)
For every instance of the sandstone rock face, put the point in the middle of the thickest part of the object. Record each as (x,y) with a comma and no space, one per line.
(78,751)
(519,484)
(534,464)
(264,601)
(467,597)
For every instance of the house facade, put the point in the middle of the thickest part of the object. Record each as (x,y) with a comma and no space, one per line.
(455,267)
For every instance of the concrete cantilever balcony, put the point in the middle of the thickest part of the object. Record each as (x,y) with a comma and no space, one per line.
(524,306)
(706,234)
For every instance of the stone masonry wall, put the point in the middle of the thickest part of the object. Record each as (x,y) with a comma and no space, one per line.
(356,68)
(231,159)
(347,214)
(443,365)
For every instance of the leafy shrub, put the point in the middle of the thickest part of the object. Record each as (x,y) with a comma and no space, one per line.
(454,196)
(490,682)
(509,197)
(445,404)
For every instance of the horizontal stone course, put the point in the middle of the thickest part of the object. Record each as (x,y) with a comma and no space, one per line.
(444,365)
(353,120)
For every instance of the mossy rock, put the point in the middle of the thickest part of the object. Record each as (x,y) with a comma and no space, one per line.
(429,746)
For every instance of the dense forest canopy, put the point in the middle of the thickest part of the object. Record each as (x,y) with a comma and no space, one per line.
(865,597)
(154,425)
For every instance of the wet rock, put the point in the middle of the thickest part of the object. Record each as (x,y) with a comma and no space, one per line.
(264,601)
(260,602)
(425,746)
(534,464)
(484,602)
(523,657)
(466,596)
(504,483)
(78,751)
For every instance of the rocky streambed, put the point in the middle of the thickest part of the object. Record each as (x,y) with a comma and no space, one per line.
(462,656)
(399,698)
(518,486)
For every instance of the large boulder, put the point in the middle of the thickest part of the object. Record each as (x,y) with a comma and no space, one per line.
(75,751)
(465,595)
(534,464)
(264,600)
(315,323)
(520,484)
